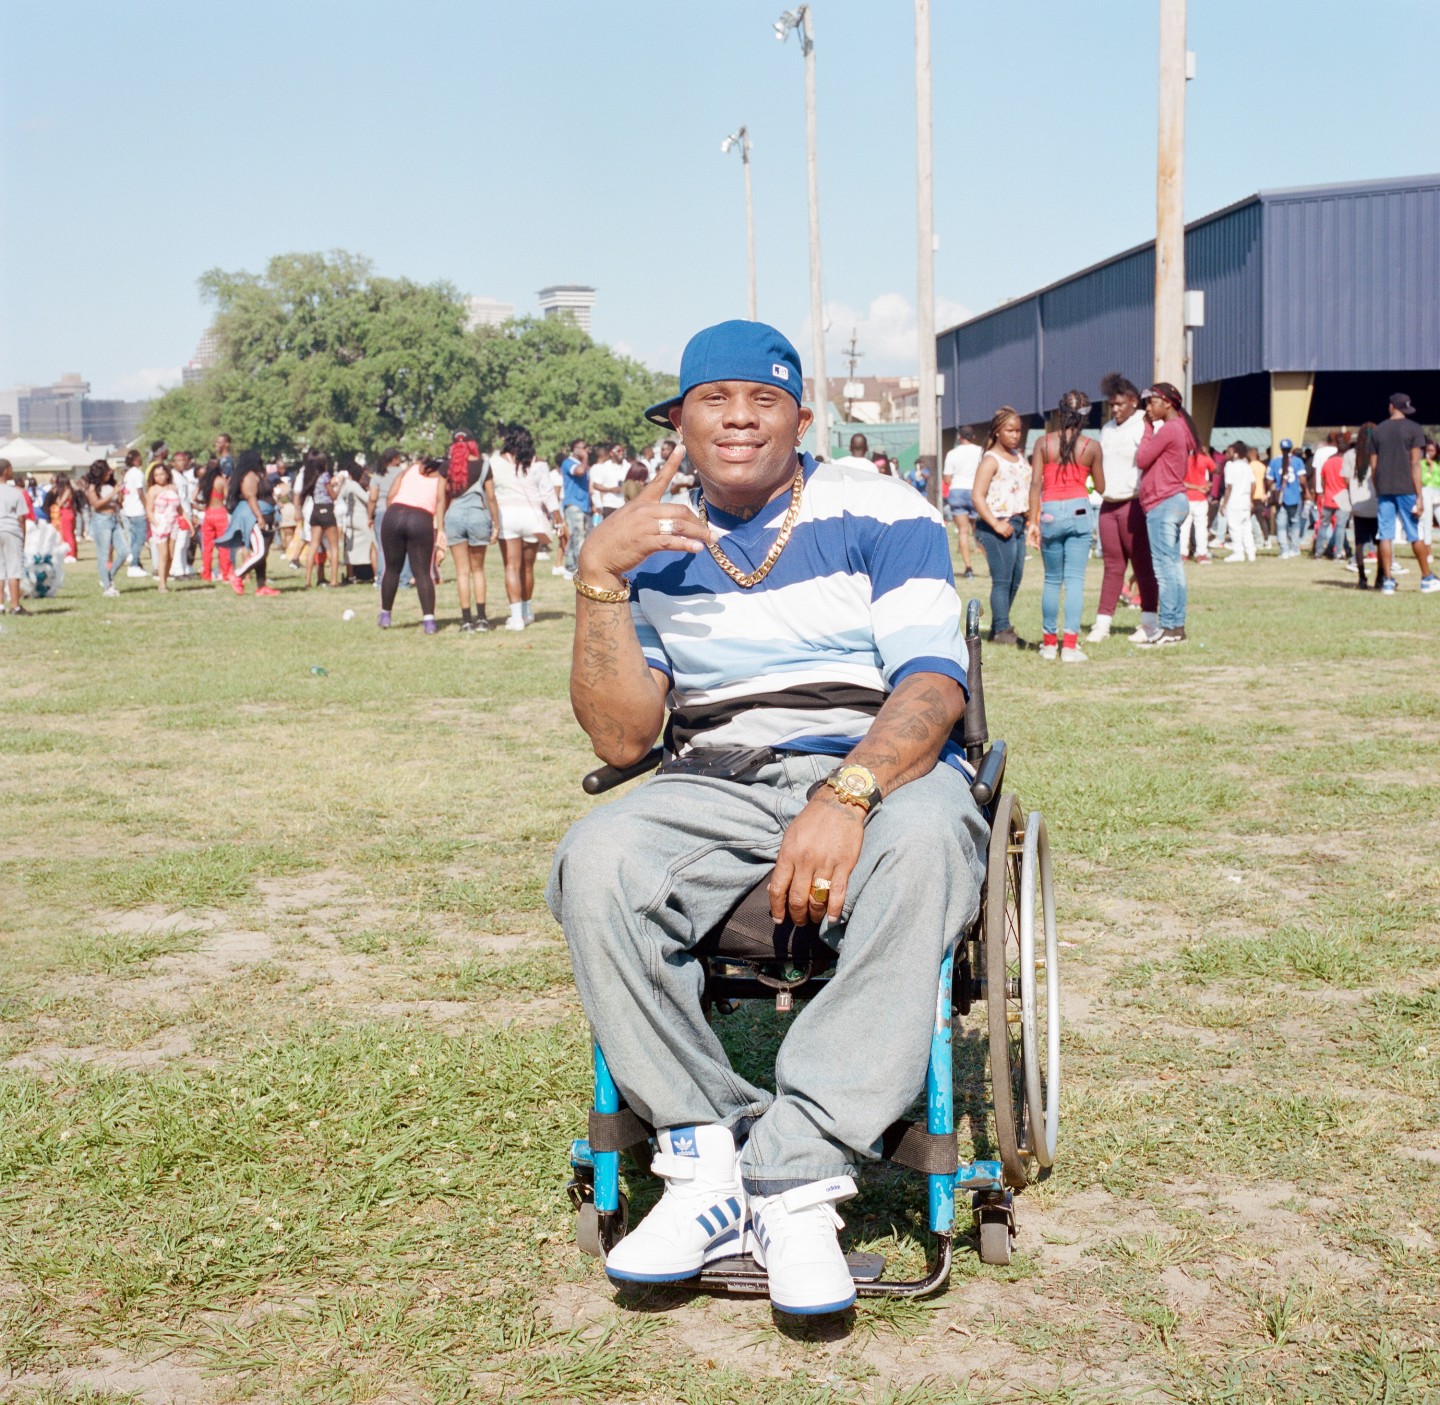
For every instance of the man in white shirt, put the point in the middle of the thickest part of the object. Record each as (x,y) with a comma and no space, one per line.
(132,504)
(1235,504)
(859,455)
(186,482)
(960,465)
(606,494)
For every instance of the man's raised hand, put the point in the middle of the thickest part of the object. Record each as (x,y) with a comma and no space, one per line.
(642,527)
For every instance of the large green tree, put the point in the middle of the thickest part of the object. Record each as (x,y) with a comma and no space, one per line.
(319,351)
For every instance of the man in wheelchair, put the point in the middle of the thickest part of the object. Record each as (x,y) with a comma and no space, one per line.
(800,625)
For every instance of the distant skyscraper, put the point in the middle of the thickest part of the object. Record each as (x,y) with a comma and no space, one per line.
(207,350)
(570,300)
(66,411)
(487,312)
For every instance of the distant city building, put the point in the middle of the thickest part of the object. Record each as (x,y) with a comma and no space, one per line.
(872,399)
(7,426)
(487,312)
(206,358)
(569,300)
(65,411)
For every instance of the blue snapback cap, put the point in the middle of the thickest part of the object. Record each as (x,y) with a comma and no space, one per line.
(734,351)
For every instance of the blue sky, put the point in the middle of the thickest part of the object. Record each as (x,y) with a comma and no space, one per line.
(507,146)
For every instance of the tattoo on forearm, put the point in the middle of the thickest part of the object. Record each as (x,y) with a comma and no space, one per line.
(600,645)
(905,738)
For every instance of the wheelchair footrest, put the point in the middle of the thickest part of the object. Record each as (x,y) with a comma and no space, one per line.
(742,1274)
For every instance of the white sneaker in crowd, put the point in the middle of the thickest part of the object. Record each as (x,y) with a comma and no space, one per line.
(110,593)
(1049,651)
(559,571)
(795,1239)
(1146,636)
(1074,655)
(137,573)
(1100,629)
(515,623)
(701,1215)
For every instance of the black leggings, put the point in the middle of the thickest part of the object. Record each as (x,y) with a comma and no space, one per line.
(408,532)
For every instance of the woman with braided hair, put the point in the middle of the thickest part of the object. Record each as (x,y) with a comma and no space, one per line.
(1062,522)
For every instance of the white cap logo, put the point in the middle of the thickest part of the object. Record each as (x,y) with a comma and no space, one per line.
(781,373)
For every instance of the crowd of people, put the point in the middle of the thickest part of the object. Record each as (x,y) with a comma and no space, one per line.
(1147,494)
(1144,495)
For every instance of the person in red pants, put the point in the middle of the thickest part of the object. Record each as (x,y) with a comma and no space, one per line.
(62,513)
(1123,539)
(211,495)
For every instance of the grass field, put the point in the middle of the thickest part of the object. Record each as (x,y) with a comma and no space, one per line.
(290,1057)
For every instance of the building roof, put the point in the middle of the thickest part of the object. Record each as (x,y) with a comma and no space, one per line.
(1310,278)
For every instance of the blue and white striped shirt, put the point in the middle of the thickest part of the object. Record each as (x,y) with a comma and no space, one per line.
(862,596)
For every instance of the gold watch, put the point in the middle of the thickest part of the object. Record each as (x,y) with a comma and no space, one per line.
(855,785)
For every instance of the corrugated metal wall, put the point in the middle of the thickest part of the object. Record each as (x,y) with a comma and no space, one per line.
(990,362)
(1353,279)
(1099,322)
(1223,257)
(1331,279)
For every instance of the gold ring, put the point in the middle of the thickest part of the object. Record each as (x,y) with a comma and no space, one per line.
(820,892)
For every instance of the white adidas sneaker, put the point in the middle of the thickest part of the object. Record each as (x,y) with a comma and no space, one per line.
(794,1238)
(701,1216)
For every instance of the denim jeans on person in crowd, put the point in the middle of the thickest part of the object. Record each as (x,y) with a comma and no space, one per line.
(1006,558)
(639,881)
(1065,529)
(110,536)
(1330,531)
(1289,520)
(136,528)
(1162,525)
(577,519)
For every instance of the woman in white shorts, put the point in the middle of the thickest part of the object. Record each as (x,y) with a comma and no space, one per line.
(529,514)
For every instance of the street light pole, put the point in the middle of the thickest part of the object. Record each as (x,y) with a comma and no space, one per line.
(800,19)
(925,249)
(742,140)
(1170,198)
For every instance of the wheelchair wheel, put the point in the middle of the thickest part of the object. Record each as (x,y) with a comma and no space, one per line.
(1039,1020)
(588,1235)
(1003,990)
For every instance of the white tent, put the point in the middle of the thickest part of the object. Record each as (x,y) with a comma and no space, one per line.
(51,455)
(26,456)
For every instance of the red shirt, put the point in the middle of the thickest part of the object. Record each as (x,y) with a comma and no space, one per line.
(1332,480)
(1197,476)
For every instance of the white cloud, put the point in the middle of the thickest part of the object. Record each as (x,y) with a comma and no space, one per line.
(885,333)
(143,384)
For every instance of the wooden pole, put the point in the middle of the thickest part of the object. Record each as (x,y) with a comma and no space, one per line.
(817,301)
(925,249)
(1170,199)
(749,218)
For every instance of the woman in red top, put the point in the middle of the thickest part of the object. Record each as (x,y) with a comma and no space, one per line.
(1162,458)
(1062,522)
(215,522)
(61,508)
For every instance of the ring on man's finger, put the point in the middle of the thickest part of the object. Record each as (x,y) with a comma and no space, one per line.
(666,526)
(820,892)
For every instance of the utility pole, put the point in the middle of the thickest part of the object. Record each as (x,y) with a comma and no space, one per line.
(799,19)
(742,140)
(852,355)
(1170,199)
(925,249)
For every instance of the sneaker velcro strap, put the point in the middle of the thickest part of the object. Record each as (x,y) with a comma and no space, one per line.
(674,1168)
(828,1192)
(617,1131)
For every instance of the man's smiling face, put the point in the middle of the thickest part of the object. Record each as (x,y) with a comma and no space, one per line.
(741,437)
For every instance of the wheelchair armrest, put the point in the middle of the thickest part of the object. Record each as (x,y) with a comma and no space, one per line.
(604,778)
(988,775)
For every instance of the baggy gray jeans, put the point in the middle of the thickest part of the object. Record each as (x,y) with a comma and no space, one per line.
(640,881)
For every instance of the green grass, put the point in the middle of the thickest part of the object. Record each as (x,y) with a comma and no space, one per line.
(290,1056)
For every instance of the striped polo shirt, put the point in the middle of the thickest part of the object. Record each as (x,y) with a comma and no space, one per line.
(863,595)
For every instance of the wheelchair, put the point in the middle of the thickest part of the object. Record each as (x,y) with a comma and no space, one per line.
(1000,963)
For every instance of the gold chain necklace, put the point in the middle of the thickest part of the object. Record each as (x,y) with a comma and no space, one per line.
(792,515)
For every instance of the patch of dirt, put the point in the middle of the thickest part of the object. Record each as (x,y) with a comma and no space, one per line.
(44,1058)
(165,1380)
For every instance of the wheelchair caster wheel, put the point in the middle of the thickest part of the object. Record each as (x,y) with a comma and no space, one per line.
(995,1240)
(594,1236)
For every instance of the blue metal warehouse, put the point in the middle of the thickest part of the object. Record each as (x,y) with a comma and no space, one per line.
(1319,303)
